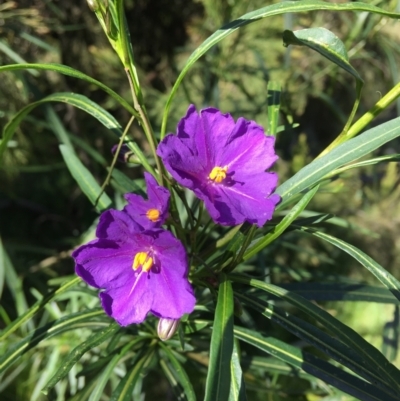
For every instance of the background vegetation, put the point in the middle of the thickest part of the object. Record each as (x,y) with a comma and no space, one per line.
(44,215)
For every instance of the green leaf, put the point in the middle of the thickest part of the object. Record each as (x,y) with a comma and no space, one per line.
(313,365)
(324,42)
(14,56)
(180,373)
(3,263)
(63,69)
(125,388)
(76,354)
(273,365)
(274,102)
(268,11)
(345,153)
(282,226)
(237,391)
(319,339)
(79,101)
(363,163)
(15,286)
(71,322)
(218,376)
(387,279)
(342,292)
(343,333)
(85,179)
(170,375)
(36,308)
(330,46)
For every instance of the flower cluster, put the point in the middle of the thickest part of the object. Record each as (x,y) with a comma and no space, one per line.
(143,268)
(139,266)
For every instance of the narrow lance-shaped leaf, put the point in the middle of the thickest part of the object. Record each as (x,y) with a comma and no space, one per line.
(268,11)
(342,292)
(180,373)
(345,153)
(282,226)
(76,354)
(392,284)
(324,42)
(98,391)
(334,348)
(238,390)
(71,322)
(65,70)
(330,46)
(219,375)
(313,365)
(124,390)
(344,333)
(36,308)
(84,178)
(79,101)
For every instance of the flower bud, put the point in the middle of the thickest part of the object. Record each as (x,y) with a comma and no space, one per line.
(93,5)
(125,155)
(167,328)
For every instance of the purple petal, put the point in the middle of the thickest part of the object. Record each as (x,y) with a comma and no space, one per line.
(212,140)
(104,263)
(158,198)
(248,150)
(116,225)
(131,302)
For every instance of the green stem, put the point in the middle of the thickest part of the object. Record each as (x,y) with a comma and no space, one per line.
(363,121)
(145,124)
(121,141)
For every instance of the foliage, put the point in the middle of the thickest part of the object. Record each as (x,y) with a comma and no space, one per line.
(257,329)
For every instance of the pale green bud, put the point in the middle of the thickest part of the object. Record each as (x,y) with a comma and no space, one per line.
(167,328)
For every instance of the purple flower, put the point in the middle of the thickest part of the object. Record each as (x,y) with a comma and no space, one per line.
(224,163)
(150,213)
(140,272)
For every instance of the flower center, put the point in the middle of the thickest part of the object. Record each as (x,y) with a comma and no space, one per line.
(153,215)
(142,259)
(218,174)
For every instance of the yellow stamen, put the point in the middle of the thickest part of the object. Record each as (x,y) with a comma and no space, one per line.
(218,174)
(153,215)
(142,259)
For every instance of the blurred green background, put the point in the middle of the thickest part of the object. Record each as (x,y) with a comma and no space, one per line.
(43,213)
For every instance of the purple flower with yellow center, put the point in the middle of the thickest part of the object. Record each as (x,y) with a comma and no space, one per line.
(224,163)
(139,272)
(150,213)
